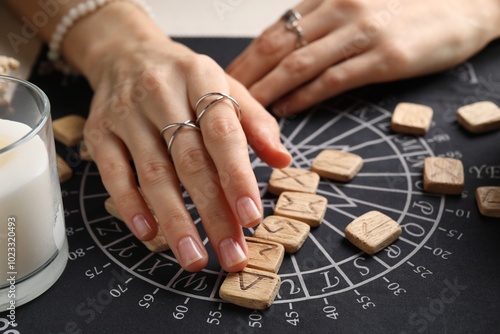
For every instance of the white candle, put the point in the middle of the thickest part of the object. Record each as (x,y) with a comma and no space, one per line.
(26,193)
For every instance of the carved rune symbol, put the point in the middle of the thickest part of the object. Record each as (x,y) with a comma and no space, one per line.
(374,227)
(258,278)
(492,197)
(447,169)
(295,177)
(307,207)
(270,248)
(279,222)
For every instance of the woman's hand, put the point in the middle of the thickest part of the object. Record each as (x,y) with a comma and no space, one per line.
(352,43)
(144,82)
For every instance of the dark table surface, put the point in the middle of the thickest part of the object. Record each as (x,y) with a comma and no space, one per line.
(441,276)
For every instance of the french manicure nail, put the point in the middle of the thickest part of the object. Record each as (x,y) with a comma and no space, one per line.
(141,226)
(247,211)
(231,253)
(189,251)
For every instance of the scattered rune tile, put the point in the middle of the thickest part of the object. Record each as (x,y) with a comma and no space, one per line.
(443,176)
(264,254)
(307,208)
(250,288)
(63,170)
(488,201)
(337,165)
(293,179)
(479,117)
(69,129)
(372,232)
(289,232)
(84,152)
(7,64)
(411,119)
(157,244)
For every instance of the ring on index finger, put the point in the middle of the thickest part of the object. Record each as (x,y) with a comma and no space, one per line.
(220,96)
(189,123)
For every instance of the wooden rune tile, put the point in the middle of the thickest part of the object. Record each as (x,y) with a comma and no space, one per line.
(157,244)
(337,165)
(307,208)
(264,254)
(289,232)
(488,201)
(293,179)
(64,171)
(443,176)
(69,129)
(479,117)
(372,232)
(250,288)
(411,119)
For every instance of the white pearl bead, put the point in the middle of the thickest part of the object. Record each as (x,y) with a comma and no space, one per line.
(82,9)
(91,6)
(67,21)
(53,55)
(74,14)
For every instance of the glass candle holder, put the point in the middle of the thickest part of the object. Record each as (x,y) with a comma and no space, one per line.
(33,244)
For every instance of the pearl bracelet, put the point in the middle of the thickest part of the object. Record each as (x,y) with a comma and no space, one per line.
(75,14)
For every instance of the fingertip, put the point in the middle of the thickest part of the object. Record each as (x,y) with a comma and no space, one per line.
(275,154)
(196,266)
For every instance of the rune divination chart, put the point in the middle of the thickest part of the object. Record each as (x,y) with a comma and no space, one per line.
(437,277)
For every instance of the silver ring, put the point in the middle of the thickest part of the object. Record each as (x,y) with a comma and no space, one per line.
(220,96)
(291,16)
(301,41)
(188,123)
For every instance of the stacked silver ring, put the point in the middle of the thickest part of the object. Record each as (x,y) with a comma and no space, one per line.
(195,124)
(189,123)
(220,96)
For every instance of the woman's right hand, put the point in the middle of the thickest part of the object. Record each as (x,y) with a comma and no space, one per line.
(144,81)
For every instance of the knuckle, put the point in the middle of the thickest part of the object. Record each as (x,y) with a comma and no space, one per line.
(197,64)
(332,78)
(110,169)
(234,173)
(298,62)
(152,172)
(394,56)
(350,6)
(269,43)
(173,219)
(191,160)
(222,128)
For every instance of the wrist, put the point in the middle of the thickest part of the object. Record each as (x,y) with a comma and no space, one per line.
(113,30)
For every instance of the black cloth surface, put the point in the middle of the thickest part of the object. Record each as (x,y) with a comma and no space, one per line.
(441,276)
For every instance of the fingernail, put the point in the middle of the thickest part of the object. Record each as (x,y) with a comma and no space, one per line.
(189,251)
(277,111)
(280,147)
(141,226)
(247,211)
(280,109)
(231,253)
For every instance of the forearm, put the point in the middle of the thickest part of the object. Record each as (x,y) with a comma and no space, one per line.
(115,28)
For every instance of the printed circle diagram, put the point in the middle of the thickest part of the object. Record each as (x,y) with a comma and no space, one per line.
(327,264)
